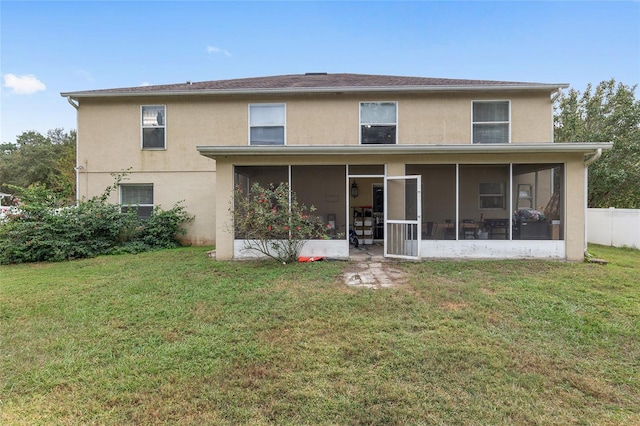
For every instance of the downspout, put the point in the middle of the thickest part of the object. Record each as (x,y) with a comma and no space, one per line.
(73,104)
(556,94)
(587,162)
(596,155)
(77,167)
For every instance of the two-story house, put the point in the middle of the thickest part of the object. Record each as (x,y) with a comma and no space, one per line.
(431,168)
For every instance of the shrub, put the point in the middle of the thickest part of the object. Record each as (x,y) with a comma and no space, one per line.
(273,223)
(41,231)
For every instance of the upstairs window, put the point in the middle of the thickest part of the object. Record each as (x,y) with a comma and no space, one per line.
(153,126)
(138,197)
(378,122)
(267,124)
(491,122)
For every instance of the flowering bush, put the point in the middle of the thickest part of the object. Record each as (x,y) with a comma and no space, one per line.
(273,223)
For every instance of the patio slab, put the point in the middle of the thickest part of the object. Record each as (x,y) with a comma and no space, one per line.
(374,274)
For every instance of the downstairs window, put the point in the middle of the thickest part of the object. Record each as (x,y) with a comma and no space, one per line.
(138,197)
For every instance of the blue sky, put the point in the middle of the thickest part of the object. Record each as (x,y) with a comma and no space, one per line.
(51,47)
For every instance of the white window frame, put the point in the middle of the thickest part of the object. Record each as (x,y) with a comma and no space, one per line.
(283,125)
(360,123)
(162,126)
(132,185)
(503,195)
(508,122)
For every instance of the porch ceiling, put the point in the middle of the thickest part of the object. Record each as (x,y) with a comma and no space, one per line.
(588,148)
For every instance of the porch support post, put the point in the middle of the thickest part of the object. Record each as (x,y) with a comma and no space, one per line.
(575,213)
(224,222)
(395,169)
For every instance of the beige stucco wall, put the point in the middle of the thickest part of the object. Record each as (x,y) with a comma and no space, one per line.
(432,119)
(541,188)
(443,118)
(109,142)
(196,191)
(110,138)
(446,118)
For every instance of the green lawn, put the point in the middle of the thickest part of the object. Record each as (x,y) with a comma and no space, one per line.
(174,337)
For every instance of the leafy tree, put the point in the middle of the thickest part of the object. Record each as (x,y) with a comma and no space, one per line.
(47,160)
(273,223)
(608,113)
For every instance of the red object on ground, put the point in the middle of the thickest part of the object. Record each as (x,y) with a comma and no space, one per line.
(310,259)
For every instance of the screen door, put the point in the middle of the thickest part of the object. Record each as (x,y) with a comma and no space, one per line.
(403,212)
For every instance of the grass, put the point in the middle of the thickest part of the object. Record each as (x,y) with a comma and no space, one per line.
(174,337)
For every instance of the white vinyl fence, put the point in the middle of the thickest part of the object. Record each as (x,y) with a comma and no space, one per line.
(614,227)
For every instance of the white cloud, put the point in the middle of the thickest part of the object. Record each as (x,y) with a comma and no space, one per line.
(145,83)
(213,49)
(23,84)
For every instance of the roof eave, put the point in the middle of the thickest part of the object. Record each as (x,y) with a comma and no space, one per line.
(298,90)
(292,150)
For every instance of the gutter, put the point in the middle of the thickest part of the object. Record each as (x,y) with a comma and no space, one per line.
(307,90)
(293,150)
(77,168)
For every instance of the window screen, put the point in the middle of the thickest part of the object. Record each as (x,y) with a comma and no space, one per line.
(491,122)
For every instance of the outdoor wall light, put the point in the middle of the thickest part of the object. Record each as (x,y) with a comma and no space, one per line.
(354,189)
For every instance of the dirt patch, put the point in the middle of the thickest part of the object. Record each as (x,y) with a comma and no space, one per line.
(488,291)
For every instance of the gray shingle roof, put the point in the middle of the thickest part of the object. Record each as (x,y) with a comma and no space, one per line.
(317,82)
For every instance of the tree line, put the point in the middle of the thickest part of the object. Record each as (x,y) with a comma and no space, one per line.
(43,160)
(608,112)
